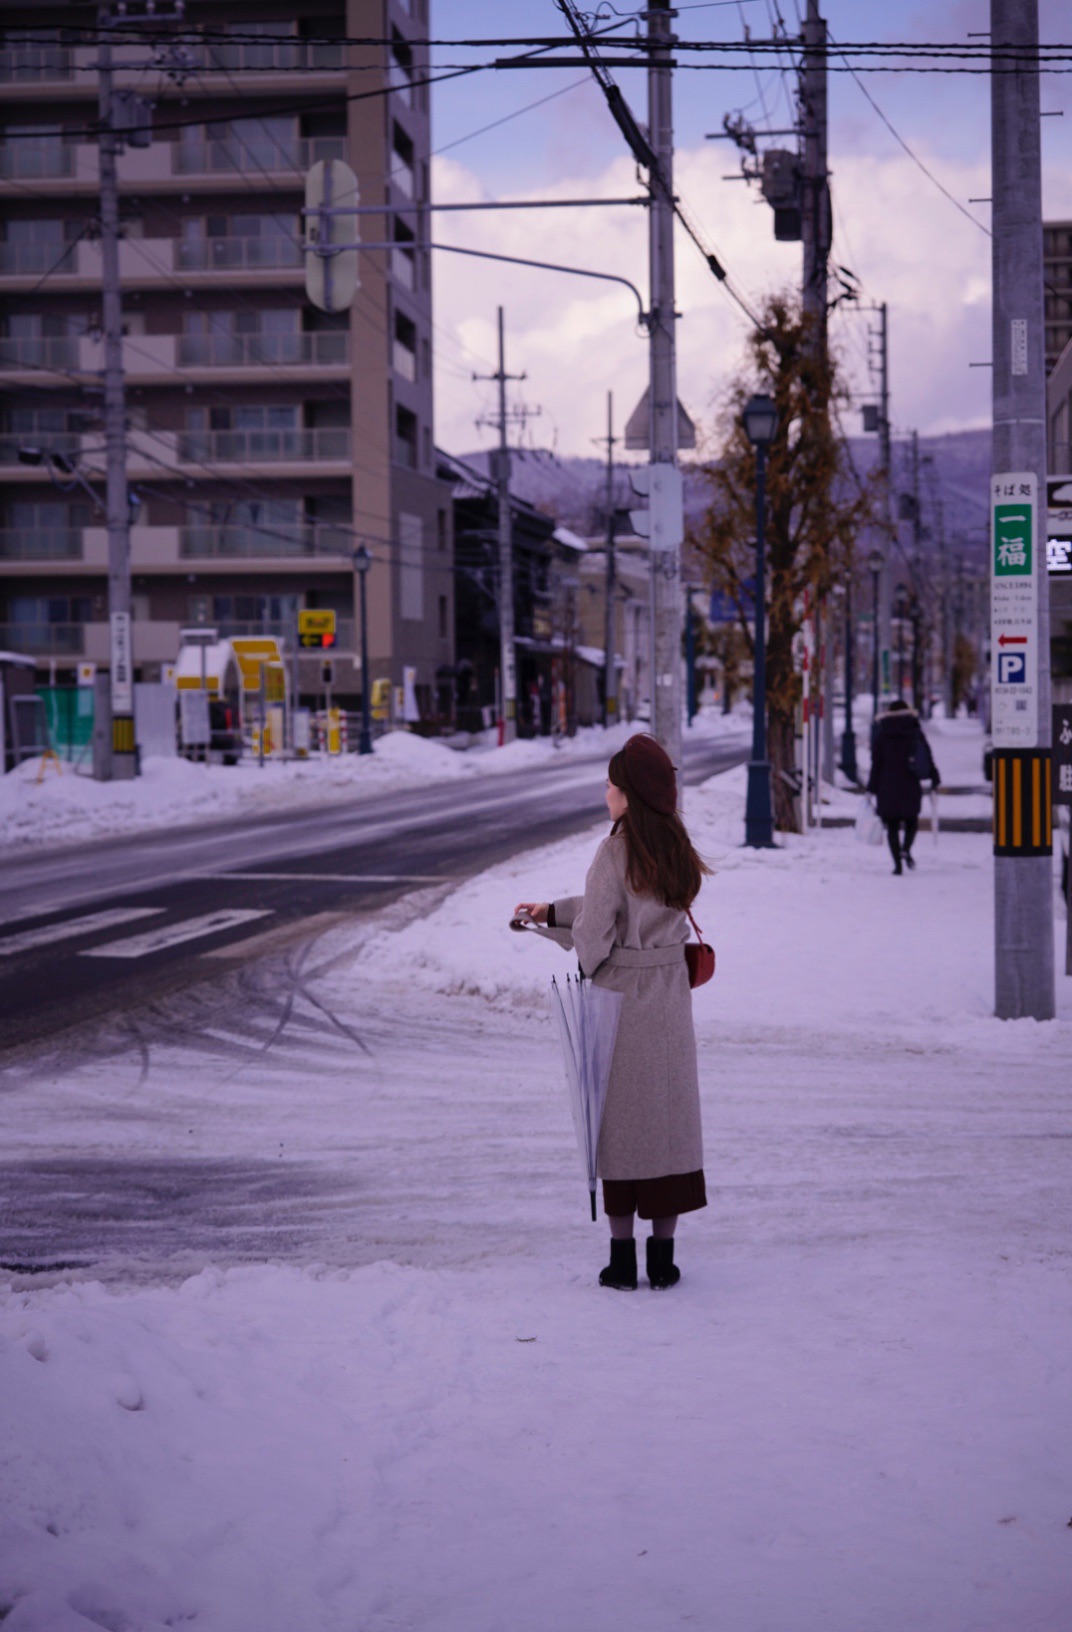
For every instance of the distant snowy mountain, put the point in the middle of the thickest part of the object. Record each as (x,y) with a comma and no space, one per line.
(953,472)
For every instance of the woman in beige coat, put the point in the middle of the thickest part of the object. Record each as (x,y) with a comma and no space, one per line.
(629,930)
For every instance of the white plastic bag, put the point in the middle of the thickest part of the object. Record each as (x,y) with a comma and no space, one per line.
(868,825)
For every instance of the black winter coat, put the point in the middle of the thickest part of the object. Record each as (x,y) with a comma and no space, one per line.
(897,790)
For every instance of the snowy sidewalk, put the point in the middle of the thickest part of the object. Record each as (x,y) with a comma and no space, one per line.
(851,1416)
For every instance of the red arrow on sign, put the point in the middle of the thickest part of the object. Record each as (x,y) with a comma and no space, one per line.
(1012,640)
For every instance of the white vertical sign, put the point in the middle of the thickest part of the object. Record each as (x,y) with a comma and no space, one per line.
(1014,627)
(122,664)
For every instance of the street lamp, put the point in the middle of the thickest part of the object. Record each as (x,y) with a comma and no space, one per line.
(760,423)
(362,561)
(848,736)
(876,562)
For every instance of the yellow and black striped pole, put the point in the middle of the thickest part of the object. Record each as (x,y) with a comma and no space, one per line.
(1023,802)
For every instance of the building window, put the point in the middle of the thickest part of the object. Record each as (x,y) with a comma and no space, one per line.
(402,157)
(441,526)
(410,567)
(427,439)
(442,617)
(405,348)
(405,437)
(403,259)
(400,71)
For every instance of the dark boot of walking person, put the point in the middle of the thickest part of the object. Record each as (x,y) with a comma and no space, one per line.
(910,827)
(893,835)
(621,1272)
(662,1271)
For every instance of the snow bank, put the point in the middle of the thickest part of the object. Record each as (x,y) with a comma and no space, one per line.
(68,808)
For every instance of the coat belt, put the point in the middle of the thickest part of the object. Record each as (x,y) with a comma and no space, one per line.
(651,957)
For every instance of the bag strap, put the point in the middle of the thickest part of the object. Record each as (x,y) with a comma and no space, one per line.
(695,926)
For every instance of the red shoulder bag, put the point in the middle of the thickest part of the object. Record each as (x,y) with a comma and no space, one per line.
(700,958)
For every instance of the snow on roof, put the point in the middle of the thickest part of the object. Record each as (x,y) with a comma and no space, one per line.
(572,541)
(18,658)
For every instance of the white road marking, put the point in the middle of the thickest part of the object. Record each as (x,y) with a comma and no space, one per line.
(71,927)
(337,878)
(282,935)
(189,929)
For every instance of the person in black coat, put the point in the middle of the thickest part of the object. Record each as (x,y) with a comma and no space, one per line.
(901,760)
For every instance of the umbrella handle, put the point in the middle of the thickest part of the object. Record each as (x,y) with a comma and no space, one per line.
(592,1196)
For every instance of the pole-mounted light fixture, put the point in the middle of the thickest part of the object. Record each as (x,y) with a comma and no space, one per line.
(362,561)
(760,419)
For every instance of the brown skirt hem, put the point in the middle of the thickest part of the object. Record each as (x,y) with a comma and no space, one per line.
(655,1198)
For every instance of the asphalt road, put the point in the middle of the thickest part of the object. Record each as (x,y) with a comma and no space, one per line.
(115,925)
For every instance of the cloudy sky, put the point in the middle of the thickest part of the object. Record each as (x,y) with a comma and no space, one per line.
(576,340)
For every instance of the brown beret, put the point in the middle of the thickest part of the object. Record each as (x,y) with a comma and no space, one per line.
(650,774)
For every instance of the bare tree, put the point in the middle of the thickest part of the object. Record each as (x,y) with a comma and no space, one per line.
(816,505)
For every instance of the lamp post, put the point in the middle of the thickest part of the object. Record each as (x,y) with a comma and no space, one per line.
(362,561)
(900,612)
(876,563)
(848,736)
(760,423)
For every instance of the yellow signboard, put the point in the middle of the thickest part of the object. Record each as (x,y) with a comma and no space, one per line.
(316,628)
(251,651)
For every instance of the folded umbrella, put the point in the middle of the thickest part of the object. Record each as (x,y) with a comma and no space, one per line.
(586,1019)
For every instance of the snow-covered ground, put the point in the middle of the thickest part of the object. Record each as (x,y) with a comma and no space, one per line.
(41,807)
(419,1412)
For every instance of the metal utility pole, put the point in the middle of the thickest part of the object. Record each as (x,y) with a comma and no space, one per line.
(1020,622)
(610,670)
(124,753)
(500,469)
(665,488)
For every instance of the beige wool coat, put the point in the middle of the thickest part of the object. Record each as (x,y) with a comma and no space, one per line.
(636,946)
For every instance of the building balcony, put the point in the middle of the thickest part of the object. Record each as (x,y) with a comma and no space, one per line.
(286,632)
(44,639)
(297,447)
(35,64)
(250,543)
(36,159)
(31,260)
(259,158)
(155,262)
(40,544)
(323,350)
(65,442)
(270,57)
(61,169)
(37,354)
(226,254)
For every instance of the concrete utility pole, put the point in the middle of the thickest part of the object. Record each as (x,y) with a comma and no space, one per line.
(885,453)
(123,754)
(815,221)
(610,670)
(500,470)
(665,488)
(1020,624)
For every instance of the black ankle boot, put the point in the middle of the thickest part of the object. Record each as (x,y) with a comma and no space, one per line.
(621,1271)
(662,1271)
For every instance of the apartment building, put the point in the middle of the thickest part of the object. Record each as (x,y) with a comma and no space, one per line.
(267,438)
(1057,273)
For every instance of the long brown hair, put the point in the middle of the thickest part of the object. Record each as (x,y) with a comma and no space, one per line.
(660,859)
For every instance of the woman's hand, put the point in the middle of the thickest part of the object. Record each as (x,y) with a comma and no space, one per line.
(536,910)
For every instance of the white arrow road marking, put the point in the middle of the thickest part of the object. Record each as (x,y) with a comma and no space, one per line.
(189,929)
(29,938)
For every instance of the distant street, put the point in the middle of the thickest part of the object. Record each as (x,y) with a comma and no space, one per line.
(112,926)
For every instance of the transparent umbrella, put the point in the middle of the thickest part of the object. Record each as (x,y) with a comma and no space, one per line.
(586,1018)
